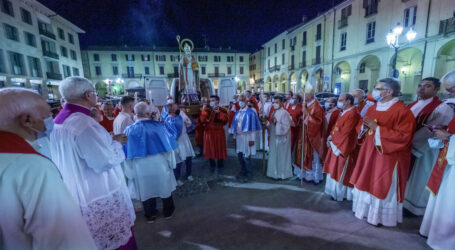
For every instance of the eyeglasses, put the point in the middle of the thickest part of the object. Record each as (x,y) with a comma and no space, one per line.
(381,89)
(93,91)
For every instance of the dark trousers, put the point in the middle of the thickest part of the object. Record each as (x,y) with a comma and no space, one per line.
(150,207)
(217,164)
(245,166)
(189,168)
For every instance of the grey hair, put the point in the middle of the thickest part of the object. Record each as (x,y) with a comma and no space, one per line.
(449,79)
(17,101)
(73,88)
(360,90)
(392,84)
(141,109)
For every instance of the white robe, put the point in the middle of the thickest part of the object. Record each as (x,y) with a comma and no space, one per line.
(265,113)
(439,219)
(89,161)
(122,121)
(279,164)
(185,148)
(37,211)
(242,139)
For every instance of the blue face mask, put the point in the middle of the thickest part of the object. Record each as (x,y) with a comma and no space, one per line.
(49,125)
(212,104)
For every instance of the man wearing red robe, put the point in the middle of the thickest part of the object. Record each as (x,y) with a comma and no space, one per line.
(382,167)
(233,107)
(288,97)
(200,128)
(108,119)
(214,118)
(361,103)
(311,146)
(332,112)
(295,110)
(342,140)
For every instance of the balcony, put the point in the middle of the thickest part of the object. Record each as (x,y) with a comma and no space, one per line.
(447,26)
(302,65)
(343,22)
(275,68)
(172,75)
(291,67)
(316,61)
(54,76)
(131,75)
(216,75)
(47,33)
(50,54)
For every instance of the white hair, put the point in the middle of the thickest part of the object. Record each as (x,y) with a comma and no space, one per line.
(141,109)
(73,88)
(360,90)
(448,80)
(17,101)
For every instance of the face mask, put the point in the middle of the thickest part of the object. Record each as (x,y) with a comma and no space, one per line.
(435,143)
(177,112)
(212,104)
(49,125)
(376,95)
(340,105)
(101,118)
(242,104)
(327,105)
(356,101)
(292,101)
(276,106)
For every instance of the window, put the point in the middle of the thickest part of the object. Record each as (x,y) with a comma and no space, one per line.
(283,44)
(203,58)
(370,6)
(30,39)
(61,33)
(362,68)
(275,47)
(318,54)
(147,70)
(203,70)
(26,16)
(292,61)
(64,51)
(217,58)
(129,58)
(283,59)
(241,58)
(343,41)
(145,58)
(345,12)
(268,63)
(217,70)
(96,57)
(115,70)
(371,27)
(70,38)
(113,57)
(66,71)
(318,32)
(98,70)
(130,71)
(304,39)
(161,70)
(160,58)
(410,15)
(2,63)
(75,72)
(73,55)
(241,70)
(268,51)
(303,58)
(7,7)
(17,63)
(275,61)
(11,32)
(175,58)
(35,66)
(176,70)
(230,58)
(229,70)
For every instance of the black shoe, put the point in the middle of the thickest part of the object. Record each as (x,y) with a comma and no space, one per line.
(151,219)
(170,215)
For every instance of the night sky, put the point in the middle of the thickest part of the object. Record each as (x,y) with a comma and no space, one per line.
(240,24)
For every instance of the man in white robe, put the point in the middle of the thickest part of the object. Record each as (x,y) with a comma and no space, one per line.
(265,108)
(125,117)
(89,160)
(150,150)
(37,211)
(279,165)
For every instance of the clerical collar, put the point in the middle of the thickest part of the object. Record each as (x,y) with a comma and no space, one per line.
(309,104)
(428,100)
(386,105)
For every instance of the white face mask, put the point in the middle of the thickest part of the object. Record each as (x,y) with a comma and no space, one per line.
(276,106)
(376,95)
(292,101)
(340,105)
(327,105)
(356,101)
(435,143)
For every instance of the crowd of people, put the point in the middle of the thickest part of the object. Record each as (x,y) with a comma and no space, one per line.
(76,180)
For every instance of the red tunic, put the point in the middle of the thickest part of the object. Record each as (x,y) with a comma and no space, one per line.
(199,133)
(374,168)
(423,115)
(438,170)
(214,136)
(314,138)
(333,118)
(344,137)
(116,111)
(255,103)
(295,114)
(106,123)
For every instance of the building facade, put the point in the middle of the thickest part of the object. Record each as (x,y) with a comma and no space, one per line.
(126,67)
(256,69)
(38,48)
(345,48)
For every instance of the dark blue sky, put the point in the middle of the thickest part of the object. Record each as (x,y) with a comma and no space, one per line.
(241,24)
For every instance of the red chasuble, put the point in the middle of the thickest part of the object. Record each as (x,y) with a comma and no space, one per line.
(255,104)
(295,114)
(333,118)
(344,137)
(360,106)
(374,168)
(214,136)
(314,137)
(438,170)
(423,115)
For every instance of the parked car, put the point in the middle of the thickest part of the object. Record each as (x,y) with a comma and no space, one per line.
(323,96)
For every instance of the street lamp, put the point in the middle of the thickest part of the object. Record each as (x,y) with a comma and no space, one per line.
(393,42)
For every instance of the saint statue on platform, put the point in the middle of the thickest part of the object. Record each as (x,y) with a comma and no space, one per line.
(188,74)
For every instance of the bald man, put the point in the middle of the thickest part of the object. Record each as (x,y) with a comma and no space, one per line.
(359,100)
(36,206)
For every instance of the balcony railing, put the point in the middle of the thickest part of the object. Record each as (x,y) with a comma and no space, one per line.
(316,61)
(291,67)
(302,64)
(54,76)
(131,75)
(216,74)
(447,26)
(47,33)
(275,68)
(50,54)
(343,22)
(172,75)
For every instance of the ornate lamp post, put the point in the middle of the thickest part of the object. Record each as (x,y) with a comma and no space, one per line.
(392,40)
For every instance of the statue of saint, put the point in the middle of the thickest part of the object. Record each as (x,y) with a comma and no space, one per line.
(188,74)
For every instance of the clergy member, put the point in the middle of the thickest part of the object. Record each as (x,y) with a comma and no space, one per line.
(250,97)
(332,112)
(279,165)
(200,128)
(89,161)
(439,220)
(340,160)
(361,103)
(264,111)
(108,117)
(295,110)
(125,117)
(245,128)
(287,101)
(37,211)
(382,167)
(150,150)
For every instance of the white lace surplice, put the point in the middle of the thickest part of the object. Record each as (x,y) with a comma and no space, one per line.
(89,161)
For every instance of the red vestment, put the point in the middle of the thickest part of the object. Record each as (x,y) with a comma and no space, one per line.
(314,137)
(106,123)
(374,168)
(360,106)
(116,111)
(255,104)
(296,114)
(438,170)
(333,118)
(199,133)
(423,115)
(214,136)
(344,137)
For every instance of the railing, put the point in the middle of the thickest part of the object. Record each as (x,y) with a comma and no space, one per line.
(447,26)
(47,33)
(275,68)
(316,61)
(50,54)
(54,76)
(131,75)
(343,22)
(216,75)
(172,75)
(291,67)
(302,65)
(259,81)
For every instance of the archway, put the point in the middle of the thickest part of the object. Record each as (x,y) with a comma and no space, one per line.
(293,82)
(445,60)
(101,88)
(303,79)
(342,77)
(283,83)
(275,83)
(268,84)
(368,72)
(409,65)
(318,79)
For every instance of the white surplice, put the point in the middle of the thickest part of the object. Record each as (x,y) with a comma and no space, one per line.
(37,212)
(122,121)
(89,161)
(279,164)
(265,112)
(242,139)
